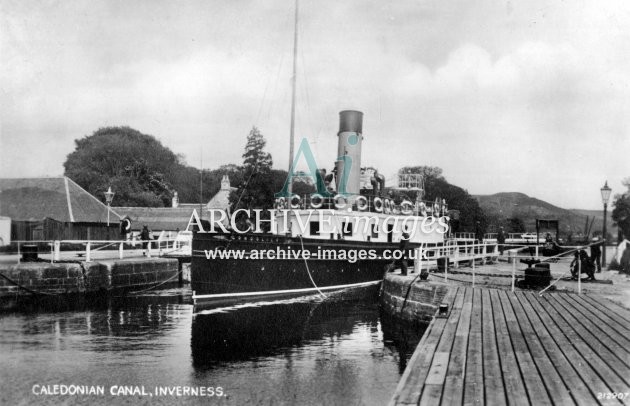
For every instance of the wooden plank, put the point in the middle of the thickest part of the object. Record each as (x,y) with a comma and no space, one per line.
(533,383)
(616,343)
(608,318)
(614,308)
(473,384)
(412,381)
(556,389)
(454,386)
(578,389)
(607,364)
(591,379)
(434,382)
(512,378)
(493,379)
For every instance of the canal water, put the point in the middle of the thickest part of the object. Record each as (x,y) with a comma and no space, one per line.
(153,349)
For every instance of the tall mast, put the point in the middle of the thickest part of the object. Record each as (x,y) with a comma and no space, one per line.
(201,186)
(293,80)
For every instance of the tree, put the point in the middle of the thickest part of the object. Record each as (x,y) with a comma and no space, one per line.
(621,212)
(515,225)
(142,171)
(258,186)
(135,165)
(255,158)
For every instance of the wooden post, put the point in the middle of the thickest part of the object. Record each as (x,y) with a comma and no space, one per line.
(149,249)
(456,255)
(120,251)
(87,252)
(473,270)
(52,252)
(579,273)
(446,269)
(57,251)
(19,255)
(513,269)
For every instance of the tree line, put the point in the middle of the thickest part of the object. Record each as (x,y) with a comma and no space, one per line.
(143,172)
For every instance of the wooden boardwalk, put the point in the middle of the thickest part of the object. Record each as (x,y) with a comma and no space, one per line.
(496,347)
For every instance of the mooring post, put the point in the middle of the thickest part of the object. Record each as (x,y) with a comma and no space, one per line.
(52,252)
(120,251)
(18,252)
(149,249)
(536,251)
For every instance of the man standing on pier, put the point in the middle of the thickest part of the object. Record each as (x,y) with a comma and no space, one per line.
(403,246)
(596,254)
(501,240)
(145,236)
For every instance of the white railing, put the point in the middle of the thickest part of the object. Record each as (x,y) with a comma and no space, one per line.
(86,250)
(456,252)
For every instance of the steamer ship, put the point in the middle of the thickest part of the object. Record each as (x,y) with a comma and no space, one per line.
(338,226)
(363,219)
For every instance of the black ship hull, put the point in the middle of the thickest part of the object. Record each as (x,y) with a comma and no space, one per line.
(226,280)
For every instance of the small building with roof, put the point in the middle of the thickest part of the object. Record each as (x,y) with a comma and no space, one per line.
(175,218)
(55,209)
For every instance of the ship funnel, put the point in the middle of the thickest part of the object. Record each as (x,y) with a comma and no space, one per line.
(348,164)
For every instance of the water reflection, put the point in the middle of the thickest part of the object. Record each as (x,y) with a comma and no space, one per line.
(402,336)
(305,351)
(248,333)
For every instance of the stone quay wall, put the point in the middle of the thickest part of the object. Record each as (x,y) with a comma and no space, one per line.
(86,277)
(421,303)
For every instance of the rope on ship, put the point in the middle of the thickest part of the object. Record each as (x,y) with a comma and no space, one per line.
(158,285)
(308,270)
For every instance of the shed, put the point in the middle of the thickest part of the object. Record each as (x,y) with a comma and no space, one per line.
(55,209)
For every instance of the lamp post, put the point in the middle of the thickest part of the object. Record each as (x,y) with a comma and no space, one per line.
(109,196)
(605,196)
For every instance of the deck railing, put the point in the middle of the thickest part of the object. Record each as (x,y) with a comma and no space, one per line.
(373,204)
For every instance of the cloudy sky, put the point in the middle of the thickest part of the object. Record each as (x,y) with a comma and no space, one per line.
(530,96)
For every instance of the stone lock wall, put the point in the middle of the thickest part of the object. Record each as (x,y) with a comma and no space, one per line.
(422,302)
(81,277)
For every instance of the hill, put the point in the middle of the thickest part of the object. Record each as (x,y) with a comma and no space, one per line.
(500,207)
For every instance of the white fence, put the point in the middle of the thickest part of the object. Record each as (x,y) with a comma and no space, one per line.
(107,249)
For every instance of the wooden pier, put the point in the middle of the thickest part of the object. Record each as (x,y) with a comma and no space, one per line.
(496,347)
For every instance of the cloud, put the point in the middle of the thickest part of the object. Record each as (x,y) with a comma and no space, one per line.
(528,94)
